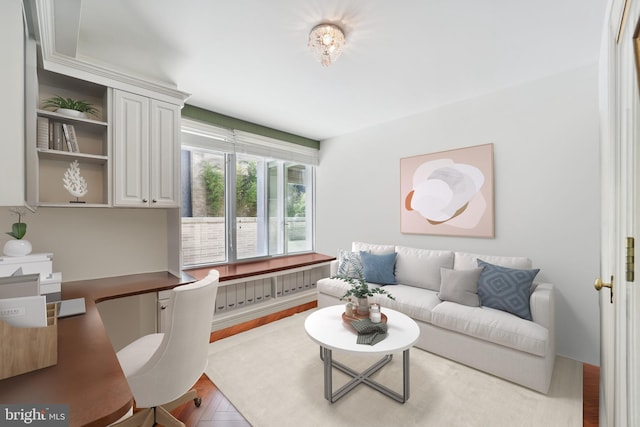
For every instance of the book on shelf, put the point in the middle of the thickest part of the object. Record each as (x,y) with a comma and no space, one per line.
(67,138)
(42,139)
(50,135)
(70,138)
(74,139)
(58,136)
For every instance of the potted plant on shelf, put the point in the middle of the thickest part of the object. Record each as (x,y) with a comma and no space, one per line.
(70,106)
(361,291)
(19,246)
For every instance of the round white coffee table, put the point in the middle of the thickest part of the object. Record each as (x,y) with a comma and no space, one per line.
(326,327)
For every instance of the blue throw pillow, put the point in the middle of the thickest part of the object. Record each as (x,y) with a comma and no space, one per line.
(506,289)
(379,268)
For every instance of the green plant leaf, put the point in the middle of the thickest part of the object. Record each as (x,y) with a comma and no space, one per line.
(69,103)
(18,230)
(360,288)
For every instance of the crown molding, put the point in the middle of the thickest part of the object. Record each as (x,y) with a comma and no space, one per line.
(98,73)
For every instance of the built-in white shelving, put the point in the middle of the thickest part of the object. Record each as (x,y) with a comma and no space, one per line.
(50,150)
(248,298)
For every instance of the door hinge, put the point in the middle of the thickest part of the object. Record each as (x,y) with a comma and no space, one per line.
(631,264)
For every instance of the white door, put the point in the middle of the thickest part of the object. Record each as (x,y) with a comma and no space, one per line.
(619,364)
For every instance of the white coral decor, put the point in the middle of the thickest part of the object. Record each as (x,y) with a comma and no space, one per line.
(73,181)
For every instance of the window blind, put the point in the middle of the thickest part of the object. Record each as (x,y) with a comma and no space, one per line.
(205,136)
(263,146)
(202,135)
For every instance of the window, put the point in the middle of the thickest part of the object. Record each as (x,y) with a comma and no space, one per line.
(244,196)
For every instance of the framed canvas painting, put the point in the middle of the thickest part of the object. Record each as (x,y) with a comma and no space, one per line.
(448,193)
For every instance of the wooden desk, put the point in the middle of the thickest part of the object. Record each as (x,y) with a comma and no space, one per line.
(87,376)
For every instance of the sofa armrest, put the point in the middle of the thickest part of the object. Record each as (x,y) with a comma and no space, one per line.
(543,305)
(333,268)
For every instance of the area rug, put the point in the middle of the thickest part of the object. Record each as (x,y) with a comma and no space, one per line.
(273,375)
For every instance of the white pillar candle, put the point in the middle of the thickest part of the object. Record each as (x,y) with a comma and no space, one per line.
(375,317)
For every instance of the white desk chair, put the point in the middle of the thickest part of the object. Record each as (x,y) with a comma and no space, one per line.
(161,368)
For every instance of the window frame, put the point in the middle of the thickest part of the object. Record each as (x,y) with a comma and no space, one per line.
(230,143)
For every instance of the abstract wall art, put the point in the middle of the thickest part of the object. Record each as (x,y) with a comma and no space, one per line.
(448,193)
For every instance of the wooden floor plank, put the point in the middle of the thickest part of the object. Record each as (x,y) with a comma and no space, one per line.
(590,395)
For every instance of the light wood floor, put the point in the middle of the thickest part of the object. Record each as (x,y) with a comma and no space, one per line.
(217,411)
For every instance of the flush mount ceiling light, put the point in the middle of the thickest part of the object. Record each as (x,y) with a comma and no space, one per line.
(326,42)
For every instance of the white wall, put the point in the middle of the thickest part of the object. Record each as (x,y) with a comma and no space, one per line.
(547,192)
(86,243)
(12,107)
(89,243)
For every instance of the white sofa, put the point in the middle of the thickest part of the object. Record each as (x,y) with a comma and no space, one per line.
(485,338)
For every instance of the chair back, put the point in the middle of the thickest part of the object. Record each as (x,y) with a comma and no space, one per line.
(182,355)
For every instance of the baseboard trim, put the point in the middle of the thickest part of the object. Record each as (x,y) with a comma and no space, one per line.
(254,323)
(258,311)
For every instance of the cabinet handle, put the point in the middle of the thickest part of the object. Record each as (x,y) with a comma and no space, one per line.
(144,200)
(163,307)
(154,201)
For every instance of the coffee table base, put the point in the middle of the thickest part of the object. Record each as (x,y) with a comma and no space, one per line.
(362,377)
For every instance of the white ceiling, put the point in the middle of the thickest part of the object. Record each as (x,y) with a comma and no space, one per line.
(248,58)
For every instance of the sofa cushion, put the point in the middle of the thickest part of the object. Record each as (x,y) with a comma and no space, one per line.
(506,289)
(416,303)
(492,325)
(378,268)
(372,248)
(349,264)
(421,267)
(460,286)
(466,261)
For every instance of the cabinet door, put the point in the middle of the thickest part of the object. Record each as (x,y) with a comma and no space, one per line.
(164,309)
(131,149)
(165,154)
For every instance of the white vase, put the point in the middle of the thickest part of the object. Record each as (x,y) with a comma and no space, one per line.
(17,247)
(363,306)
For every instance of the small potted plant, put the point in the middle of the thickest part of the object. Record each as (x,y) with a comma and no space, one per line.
(361,291)
(70,106)
(19,246)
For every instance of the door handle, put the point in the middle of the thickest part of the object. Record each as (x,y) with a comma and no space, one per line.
(599,284)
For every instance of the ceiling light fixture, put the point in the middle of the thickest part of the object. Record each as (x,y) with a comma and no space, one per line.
(326,42)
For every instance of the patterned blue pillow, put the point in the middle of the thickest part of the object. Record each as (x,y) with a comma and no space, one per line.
(506,289)
(379,268)
(349,264)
